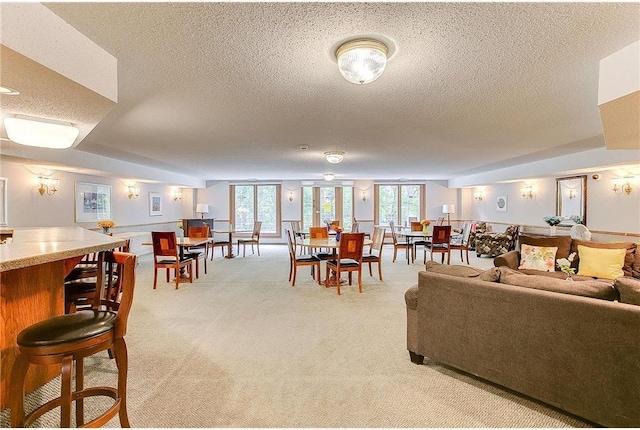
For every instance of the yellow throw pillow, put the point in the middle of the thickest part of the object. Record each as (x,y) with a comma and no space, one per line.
(538,257)
(600,262)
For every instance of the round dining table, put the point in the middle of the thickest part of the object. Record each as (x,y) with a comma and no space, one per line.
(334,245)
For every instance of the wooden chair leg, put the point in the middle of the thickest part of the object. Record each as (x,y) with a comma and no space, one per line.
(66,392)
(177,273)
(79,387)
(16,391)
(122,362)
(295,271)
(360,280)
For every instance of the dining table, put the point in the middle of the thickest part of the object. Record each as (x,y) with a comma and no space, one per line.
(231,232)
(410,235)
(334,245)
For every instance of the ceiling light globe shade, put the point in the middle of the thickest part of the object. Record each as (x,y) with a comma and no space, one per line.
(362,61)
(334,157)
(40,132)
(328,176)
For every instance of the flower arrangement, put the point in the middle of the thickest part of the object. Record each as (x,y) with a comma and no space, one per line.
(552,220)
(577,219)
(425,222)
(106,223)
(565,264)
(337,229)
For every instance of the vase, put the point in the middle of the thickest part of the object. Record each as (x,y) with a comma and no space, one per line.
(552,230)
(569,278)
(425,229)
(105,230)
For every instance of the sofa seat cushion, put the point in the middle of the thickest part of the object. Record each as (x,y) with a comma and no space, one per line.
(629,289)
(630,247)
(563,243)
(556,275)
(490,275)
(411,297)
(597,289)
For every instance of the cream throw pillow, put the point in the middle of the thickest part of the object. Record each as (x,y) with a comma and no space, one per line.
(600,262)
(538,257)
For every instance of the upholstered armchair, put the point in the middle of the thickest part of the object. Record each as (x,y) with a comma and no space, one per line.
(479,227)
(494,244)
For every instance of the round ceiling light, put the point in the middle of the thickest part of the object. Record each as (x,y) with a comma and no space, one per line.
(328,176)
(362,61)
(334,157)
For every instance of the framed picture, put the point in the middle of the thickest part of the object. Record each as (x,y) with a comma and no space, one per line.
(3,202)
(155,204)
(501,203)
(93,202)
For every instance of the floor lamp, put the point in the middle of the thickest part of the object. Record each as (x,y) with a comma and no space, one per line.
(448,209)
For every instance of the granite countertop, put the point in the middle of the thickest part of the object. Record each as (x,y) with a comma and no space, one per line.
(38,245)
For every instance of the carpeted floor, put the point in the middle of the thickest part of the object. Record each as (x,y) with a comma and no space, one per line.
(241,348)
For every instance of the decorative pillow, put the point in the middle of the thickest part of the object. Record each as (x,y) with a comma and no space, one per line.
(562,242)
(628,260)
(538,258)
(601,262)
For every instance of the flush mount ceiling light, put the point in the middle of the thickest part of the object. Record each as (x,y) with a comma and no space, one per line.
(334,157)
(328,176)
(40,132)
(362,61)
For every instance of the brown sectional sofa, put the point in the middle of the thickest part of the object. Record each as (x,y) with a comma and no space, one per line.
(573,345)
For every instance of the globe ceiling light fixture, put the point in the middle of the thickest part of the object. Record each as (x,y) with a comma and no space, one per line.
(362,61)
(328,176)
(334,157)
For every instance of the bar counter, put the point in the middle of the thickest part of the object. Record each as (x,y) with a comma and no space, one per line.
(32,272)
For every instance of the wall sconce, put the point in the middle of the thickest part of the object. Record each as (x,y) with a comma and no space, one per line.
(48,185)
(290,196)
(622,185)
(364,196)
(133,192)
(527,191)
(478,194)
(176,195)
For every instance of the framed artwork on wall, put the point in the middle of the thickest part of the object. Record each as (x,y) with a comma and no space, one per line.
(93,202)
(155,204)
(501,203)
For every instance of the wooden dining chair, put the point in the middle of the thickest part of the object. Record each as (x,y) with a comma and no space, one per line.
(417,226)
(296,260)
(320,233)
(461,242)
(349,258)
(200,251)
(355,228)
(253,240)
(375,255)
(397,244)
(440,243)
(66,339)
(165,256)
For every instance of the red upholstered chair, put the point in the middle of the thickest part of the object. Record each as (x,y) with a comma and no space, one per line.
(69,338)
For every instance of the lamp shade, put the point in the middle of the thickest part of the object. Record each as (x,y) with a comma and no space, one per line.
(40,132)
(362,61)
(202,208)
(448,209)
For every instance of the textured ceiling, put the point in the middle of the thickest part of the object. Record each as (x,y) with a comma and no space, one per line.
(231,90)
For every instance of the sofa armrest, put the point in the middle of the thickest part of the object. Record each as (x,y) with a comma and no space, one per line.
(511,259)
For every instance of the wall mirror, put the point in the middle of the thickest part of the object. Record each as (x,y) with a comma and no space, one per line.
(571,199)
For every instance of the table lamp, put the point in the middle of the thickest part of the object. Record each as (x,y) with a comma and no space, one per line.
(202,208)
(449,209)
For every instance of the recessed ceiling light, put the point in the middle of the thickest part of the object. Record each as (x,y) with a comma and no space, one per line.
(334,157)
(6,91)
(304,147)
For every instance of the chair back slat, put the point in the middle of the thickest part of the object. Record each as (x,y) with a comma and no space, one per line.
(199,232)
(116,275)
(164,243)
(292,249)
(351,246)
(318,233)
(441,234)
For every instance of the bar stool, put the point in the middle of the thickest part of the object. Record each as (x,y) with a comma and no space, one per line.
(68,338)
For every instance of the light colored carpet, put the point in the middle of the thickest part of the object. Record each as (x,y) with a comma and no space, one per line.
(240,347)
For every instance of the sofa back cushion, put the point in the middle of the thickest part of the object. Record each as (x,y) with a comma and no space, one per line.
(563,243)
(629,289)
(490,275)
(630,247)
(592,288)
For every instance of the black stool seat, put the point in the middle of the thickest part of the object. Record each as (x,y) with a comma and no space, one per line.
(69,328)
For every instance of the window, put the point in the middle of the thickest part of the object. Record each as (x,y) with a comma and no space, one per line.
(325,204)
(399,203)
(256,203)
